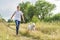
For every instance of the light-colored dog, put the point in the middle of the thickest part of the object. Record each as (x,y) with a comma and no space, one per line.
(31,26)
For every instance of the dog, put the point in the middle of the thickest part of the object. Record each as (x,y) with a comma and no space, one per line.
(31,26)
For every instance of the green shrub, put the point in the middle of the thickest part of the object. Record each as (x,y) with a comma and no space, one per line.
(35,19)
(48,19)
(56,17)
(9,20)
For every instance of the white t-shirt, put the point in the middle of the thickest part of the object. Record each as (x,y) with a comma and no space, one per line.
(18,15)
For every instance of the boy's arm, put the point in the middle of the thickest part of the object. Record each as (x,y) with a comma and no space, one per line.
(22,15)
(12,15)
(23,18)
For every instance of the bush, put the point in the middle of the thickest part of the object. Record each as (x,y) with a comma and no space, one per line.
(1,19)
(56,17)
(48,19)
(35,19)
(9,20)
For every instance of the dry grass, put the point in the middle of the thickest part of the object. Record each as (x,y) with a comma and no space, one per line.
(44,31)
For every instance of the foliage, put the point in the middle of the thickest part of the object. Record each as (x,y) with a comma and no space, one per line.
(26,9)
(43,8)
(9,20)
(35,19)
(2,19)
(56,17)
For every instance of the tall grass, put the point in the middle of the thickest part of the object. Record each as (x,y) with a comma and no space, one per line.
(44,31)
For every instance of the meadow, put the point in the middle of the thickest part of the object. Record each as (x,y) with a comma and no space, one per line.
(44,31)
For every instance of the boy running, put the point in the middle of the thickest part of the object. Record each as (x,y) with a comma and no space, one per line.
(18,14)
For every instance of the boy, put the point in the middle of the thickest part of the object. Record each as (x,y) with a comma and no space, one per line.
(18,14)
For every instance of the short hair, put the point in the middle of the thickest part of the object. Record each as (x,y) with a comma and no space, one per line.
(17,6)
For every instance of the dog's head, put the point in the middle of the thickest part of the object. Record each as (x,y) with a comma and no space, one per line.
(33,24)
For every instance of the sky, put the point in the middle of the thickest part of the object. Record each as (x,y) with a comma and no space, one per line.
(7,7)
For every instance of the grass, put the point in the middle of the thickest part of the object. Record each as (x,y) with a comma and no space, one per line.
(44,31)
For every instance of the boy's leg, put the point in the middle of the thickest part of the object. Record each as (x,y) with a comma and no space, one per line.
(17,26)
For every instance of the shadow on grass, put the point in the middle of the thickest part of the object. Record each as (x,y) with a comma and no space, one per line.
(27,34)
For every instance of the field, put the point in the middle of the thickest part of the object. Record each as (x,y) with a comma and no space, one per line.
(44,31)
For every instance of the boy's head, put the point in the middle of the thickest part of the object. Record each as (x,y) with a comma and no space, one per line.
(18,7)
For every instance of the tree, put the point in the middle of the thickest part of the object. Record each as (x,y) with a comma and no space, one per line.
(31,12)
(43,8)
(28,10)
(56,17)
